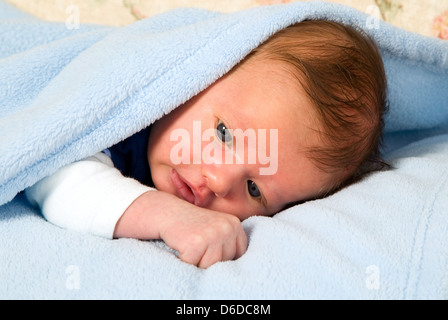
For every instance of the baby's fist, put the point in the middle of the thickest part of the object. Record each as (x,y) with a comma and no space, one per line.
(203,237)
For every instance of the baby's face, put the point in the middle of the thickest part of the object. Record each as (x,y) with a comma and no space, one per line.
(237,147)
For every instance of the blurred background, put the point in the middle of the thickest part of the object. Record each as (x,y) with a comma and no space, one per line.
(427,17)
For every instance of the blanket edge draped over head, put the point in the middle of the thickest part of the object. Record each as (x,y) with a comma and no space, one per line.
(67,94)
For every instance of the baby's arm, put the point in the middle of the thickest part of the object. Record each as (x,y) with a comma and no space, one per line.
(92,196)
(87,196)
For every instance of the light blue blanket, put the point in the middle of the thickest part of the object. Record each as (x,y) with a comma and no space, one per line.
(66,94)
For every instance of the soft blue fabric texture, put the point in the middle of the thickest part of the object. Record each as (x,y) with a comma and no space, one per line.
(67,93)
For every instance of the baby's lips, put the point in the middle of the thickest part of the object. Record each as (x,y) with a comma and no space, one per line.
(182,188)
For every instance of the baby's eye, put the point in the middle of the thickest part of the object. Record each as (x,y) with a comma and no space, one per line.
(223,133)
(253,189)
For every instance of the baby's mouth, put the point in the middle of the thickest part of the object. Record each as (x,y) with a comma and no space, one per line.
(182,187)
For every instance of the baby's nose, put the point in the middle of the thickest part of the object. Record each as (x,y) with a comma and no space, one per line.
(223,179)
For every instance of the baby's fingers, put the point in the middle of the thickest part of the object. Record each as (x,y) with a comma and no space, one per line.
(241,244)
(232,249)
(194,251)
(211,256)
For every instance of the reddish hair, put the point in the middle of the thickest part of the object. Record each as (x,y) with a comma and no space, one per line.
(341,71)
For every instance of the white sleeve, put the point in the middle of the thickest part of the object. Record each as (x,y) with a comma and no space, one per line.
(87,196)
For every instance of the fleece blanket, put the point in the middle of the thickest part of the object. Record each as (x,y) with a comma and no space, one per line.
(67,93)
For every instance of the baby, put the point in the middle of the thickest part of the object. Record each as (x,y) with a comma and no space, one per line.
(317,89)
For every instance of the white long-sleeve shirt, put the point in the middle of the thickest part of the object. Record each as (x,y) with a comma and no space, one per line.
(87,196)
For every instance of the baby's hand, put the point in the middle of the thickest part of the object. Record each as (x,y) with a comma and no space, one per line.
(203,237)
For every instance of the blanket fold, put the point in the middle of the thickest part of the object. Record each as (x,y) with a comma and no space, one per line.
(66,94)
(69,86)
